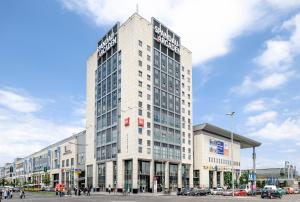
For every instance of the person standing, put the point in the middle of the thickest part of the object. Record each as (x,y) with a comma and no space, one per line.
(109,189)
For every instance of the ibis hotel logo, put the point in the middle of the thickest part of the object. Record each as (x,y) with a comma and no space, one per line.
(167,40)
(218,147)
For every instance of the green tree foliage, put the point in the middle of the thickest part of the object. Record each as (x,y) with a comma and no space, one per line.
(244,178)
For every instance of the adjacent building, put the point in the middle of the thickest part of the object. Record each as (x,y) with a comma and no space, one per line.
(61,162)
(139,109)
(214,155)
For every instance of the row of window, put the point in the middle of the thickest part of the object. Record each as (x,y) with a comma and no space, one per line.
(67,161)
(166,82)
(166,64)
(166,151)
(166,101)
(222,161)
(106,152)
(165,134)
(107,120)
(107,103)
(107,136)
(166,118)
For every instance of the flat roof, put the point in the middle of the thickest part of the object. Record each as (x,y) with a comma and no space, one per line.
(244,141)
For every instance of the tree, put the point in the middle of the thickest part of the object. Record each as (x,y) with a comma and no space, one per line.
(227,178)
(258,184)
(244,178)
(46,179)
(3,181)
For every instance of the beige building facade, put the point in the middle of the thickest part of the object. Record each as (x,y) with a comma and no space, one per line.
(139,109)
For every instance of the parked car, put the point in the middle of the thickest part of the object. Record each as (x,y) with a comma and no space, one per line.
(184,192)
(289,190)
(240,192)
(270,193)
(296,191)
(198,192)
(282,191)
(216,191)
(227,192)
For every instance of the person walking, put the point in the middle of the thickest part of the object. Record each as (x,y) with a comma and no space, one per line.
(89,191)
(1,195)
(5,194)
(22,194)
(109,189)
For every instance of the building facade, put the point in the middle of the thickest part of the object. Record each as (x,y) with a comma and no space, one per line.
(61,162)
(139,109)
(214,155)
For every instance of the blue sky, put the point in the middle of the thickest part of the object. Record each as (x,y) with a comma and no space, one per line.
(245,59)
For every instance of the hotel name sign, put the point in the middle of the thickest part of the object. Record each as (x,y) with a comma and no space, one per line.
(107,44)
(167,40)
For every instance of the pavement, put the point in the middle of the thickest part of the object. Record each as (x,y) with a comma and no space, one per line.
(143,197)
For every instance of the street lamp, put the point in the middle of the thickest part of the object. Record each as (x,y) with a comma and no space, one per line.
(231,114)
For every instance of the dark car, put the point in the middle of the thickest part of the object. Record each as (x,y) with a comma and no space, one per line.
(184,192)
(270,193)
(198,192)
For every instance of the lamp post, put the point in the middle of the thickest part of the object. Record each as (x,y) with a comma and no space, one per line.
(231,114)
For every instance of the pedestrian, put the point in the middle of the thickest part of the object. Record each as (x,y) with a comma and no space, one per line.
(88,191)
(22,194)
(75,191)
(109,189)
(0,195)
(5,194)
(10,194)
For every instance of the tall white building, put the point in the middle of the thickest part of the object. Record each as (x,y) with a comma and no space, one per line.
(139,109)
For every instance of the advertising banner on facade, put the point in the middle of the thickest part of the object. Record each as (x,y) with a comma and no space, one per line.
(218,147)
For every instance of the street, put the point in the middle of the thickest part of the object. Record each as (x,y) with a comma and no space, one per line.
(145,198)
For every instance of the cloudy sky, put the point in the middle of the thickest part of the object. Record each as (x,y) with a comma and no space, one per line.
(245,59)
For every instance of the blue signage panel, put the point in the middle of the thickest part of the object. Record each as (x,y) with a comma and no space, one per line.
(220,147)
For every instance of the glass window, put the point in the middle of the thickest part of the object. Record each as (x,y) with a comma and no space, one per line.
(140,84)
(164,116)
(177,87)
(108,119)
(103,88)
(156,114)
(114,80)
(140,131)
(114,99)
(164,81)
(140,73)
(164,99)
(148,57)
(114,117)
(114,134)
(115,64)
(108,135)
(177,105)
(171,119)
(140,141)
(148,48)
(163,62)
(108,102)
(140,94)
(140,43)
(108,86)
(140,63)
(156,78)
(140,149)
(156,96)
(171,102)
(170,84)
(140,53)
(156,58)
(171,67)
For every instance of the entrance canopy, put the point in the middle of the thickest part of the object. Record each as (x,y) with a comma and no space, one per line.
(209,128)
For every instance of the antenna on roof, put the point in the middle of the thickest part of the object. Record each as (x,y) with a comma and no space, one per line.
(137,7)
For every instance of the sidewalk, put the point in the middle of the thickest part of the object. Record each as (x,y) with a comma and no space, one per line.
(138,194)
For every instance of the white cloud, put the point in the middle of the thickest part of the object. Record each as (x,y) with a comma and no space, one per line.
(206,27)
(24,133)
(262,118)
(288,129)
(18,102)
(288,151)
(256,105)
(275,63)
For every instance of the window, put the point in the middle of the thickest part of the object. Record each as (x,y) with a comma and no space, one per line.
(72,161)
(63,163)
(140,73)
(148,77)
(140,63)
(67,163)
(148,143)
(140,53)
(140,84)
(148,97)
(140,150)
(140,130)
(140,112)
(140,94)
(148,107)
(148,57)
(148,125)
(148,150)
(148,48)
(140,43)
(140,141)
(148,87)
(149,132)
(140,104)
(148,67)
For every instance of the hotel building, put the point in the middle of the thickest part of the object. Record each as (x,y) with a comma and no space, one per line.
(139,109)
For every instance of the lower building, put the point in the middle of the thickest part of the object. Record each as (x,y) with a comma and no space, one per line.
(284,176)
(215,156)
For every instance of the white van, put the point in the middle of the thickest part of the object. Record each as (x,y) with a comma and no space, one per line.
(270,187)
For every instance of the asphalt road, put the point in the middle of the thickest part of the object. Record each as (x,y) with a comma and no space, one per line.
(145,198)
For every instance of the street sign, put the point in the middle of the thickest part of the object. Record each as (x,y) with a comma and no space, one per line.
(252,176)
